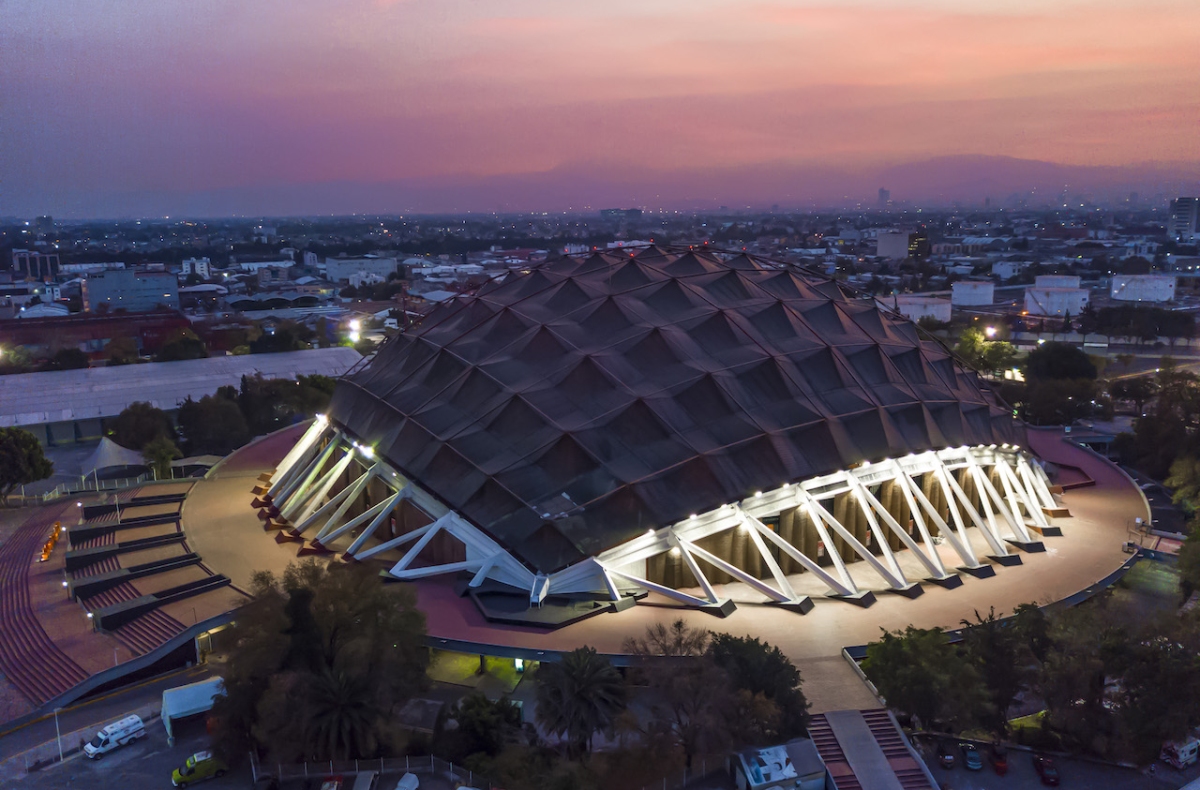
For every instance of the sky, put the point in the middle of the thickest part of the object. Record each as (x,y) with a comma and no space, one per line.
(112,106)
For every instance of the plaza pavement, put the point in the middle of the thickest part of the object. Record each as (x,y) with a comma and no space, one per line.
(224,529)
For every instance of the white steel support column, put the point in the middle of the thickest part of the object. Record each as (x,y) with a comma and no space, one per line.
(776,572)
(378,514)
(734,571)
(839,587)
(1032,507)
(395,542)
(432,530)
(356,488)
(884,547)
(964,551)
(303,506)
(895,580)
(299,485)
(1016,526)
(901,479)
(701,579)
(661,589)
(955,493)
(807,502)
(298,451)
(1034,485)
(932,562)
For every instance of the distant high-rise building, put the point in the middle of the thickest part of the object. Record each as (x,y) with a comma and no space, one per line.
(1185,216)
(621,213)
(885,197)
(201,267)
(44,224)
(35,265)
(131,290)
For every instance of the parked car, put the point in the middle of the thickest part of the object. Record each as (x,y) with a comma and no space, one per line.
(998,757)
(333,783)
(119,733)
(200,766)
(1046,769)
(944,755)
(971,758)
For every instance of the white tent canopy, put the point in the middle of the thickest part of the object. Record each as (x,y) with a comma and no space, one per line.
(189,700)
(109,455)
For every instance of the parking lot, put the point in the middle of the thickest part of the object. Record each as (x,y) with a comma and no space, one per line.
(1074,773)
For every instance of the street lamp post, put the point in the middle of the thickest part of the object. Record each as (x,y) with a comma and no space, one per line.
(58,734)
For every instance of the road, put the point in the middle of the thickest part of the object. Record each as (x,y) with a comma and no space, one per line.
(96,712)
(142,765)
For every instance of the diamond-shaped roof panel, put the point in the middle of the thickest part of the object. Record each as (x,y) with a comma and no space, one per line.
(640,386)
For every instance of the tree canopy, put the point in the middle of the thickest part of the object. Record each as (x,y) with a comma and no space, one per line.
(138,424)
(22,461)
(322,656)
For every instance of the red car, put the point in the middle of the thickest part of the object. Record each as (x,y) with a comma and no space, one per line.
(1046,769)
(998,757)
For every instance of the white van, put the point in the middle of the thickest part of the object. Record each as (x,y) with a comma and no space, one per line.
(119,733)
(1181,754)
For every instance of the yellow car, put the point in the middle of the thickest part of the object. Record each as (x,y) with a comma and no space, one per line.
(200,766)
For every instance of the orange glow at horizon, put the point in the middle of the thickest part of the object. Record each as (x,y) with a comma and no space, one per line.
(161,94)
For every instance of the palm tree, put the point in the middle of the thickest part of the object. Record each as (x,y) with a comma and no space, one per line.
(579,696)
(342,716)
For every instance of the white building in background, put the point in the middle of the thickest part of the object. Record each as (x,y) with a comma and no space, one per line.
(1143,287)
(915,307)
(892,244)
(1055,301)
(309,259)
(1056,281)
(1184,221)
(972,293)
(1006,270)
(201,267)
(359,279)
(339,270)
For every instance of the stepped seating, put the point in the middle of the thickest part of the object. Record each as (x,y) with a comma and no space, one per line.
(148,632)
(106,565)
(31,662)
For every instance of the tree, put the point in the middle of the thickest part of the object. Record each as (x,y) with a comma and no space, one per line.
(1189,560)
(996,652)
(67,359)
(921,674)
(677,639)
(121,351)
(159,452)
(484,724)
(578,696)
(1138,389)
(321,658)
(22,461)
(139,424)
(183,344)
(761,669)
(1056,360)
(214,424)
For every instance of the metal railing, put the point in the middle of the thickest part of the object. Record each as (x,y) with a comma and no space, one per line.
(63,489)
(429,766)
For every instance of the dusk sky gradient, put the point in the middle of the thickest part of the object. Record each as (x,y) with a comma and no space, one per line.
(164,99)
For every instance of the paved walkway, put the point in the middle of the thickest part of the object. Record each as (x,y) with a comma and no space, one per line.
(226,532)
